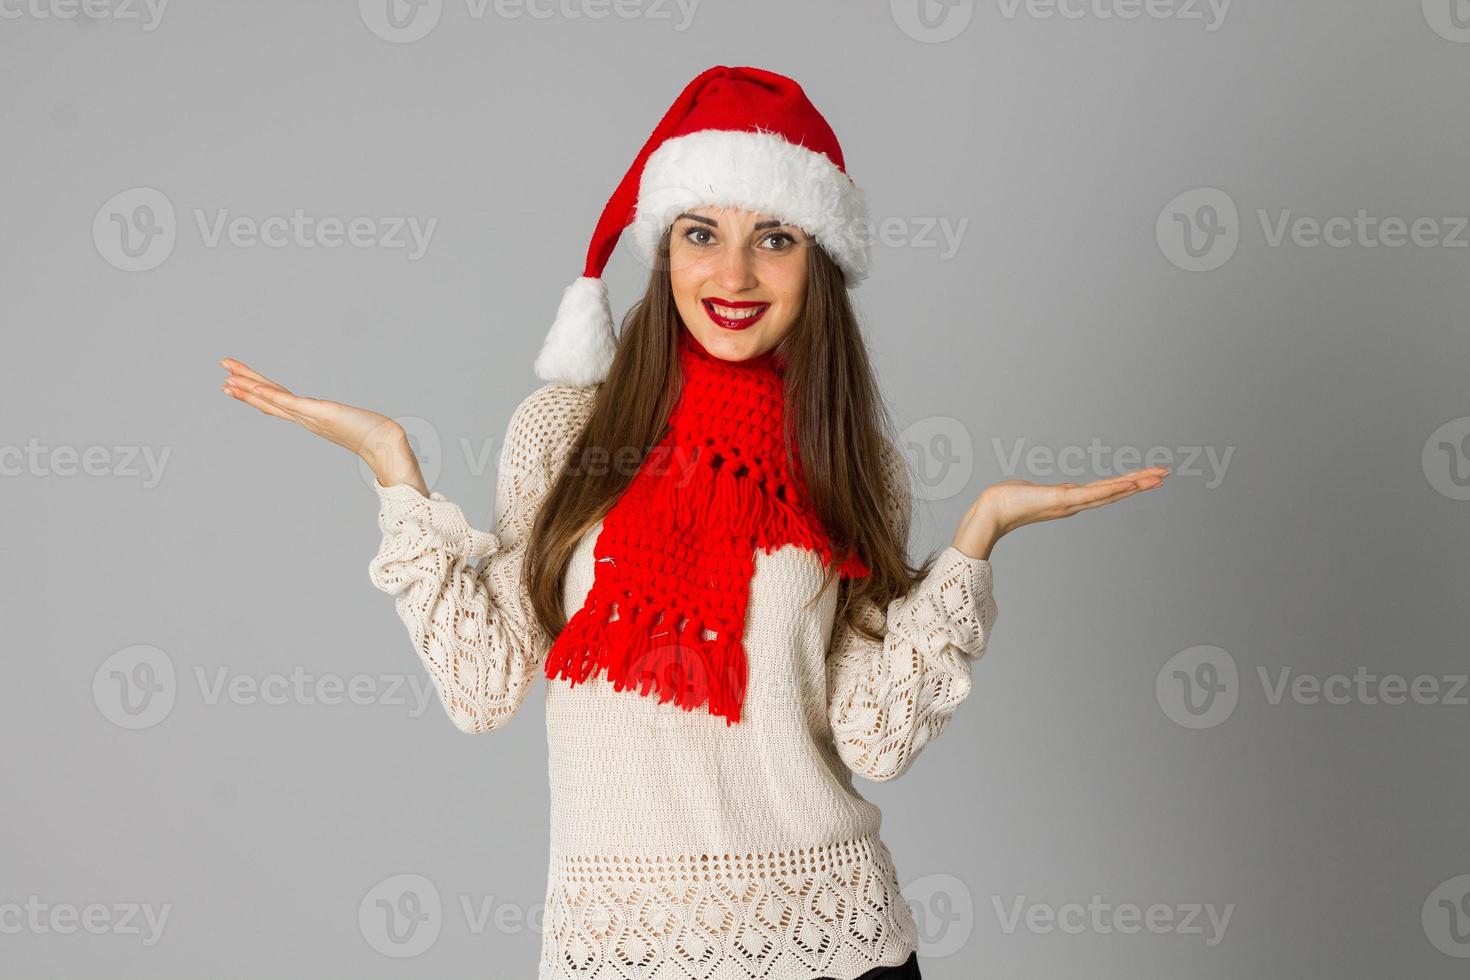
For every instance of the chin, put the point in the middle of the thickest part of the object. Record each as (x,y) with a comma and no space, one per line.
(733,345)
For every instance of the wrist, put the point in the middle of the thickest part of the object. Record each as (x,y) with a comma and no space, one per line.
(388,454)
(977,534)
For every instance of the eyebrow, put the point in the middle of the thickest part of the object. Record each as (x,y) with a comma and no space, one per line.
(715,224)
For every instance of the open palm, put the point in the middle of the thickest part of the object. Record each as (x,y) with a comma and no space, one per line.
(378,439)
(1014,503)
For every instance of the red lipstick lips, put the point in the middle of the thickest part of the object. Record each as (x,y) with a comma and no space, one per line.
(732,323)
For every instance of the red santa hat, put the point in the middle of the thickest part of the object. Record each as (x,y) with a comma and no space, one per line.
(735,137)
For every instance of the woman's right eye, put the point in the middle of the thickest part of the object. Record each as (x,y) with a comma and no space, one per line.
(695,231)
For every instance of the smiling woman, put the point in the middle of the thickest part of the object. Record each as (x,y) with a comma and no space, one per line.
(727,641)
(739,279)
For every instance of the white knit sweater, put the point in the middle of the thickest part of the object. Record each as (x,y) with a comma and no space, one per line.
(681,846)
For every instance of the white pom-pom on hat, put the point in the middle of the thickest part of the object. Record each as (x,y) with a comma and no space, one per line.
(579,347)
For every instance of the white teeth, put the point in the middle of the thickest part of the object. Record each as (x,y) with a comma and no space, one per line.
(741,314)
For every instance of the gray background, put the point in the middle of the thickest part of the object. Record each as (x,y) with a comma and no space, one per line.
(1328,546)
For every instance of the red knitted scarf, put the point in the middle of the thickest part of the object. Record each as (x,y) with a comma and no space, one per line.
(666,611)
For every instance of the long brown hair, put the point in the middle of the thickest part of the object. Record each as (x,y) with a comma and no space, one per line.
(833,411)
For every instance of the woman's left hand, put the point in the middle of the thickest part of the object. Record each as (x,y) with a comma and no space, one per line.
(1010,504)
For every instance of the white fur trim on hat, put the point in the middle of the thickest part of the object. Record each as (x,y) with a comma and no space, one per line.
(756,171)
(579,347)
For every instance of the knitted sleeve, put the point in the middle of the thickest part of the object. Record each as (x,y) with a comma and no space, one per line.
(459,590)
(888,699)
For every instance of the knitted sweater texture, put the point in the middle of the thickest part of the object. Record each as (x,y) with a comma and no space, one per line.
(681,846)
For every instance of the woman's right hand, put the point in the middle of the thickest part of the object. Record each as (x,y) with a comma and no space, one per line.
(377,439)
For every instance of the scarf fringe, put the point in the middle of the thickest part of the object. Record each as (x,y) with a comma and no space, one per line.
(714,493)
(680,667)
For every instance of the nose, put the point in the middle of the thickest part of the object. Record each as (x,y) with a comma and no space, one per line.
(737,270)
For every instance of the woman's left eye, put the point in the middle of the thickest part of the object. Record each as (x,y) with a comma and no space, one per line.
(781,234)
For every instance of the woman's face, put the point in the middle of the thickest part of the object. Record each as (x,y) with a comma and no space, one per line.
(739,279)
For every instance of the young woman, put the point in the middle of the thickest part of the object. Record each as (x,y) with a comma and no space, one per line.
(700,540)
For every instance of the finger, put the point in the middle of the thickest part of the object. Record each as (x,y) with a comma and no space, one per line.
(244,370)
(279,397)
(1095,491)
(239,394)
(1143,479)
(1159,471)
(1100,502)
(1085,498)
